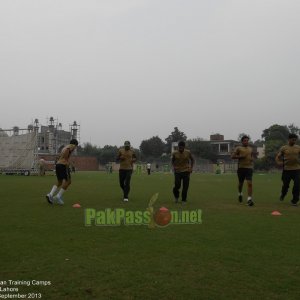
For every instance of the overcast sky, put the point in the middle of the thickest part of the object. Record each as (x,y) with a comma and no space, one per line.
(132,69)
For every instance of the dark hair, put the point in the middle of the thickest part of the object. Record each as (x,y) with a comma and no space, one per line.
(181,143)
(293,136)
(74,142)
(244,137)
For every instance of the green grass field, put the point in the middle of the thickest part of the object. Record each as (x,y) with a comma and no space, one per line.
(238,252)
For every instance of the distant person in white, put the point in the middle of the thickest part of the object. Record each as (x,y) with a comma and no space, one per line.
(148,168)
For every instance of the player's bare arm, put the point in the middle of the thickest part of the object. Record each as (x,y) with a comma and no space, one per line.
(120,157)
(235,155)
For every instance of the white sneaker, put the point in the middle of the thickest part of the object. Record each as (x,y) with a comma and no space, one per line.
(49,198)
(59,200)
(125,200)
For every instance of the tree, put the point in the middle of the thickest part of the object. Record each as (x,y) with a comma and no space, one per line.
(259,143)
(108,154)
(275,136)
(138,154)
(175,136)
(272,148)
(262,164)
(276,132)
(294,129)
(202,149)
(88,149)
(153,147)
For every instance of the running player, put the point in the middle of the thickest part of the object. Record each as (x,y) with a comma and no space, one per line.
(62,173)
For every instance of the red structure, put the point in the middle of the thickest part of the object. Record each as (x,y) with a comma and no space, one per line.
(81,163)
